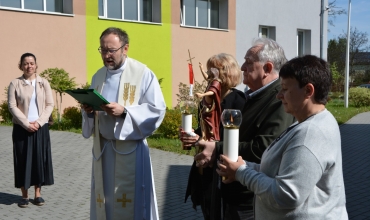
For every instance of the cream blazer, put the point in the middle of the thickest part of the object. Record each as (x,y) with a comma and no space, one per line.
(19,98)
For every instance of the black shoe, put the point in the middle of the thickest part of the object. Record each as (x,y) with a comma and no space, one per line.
(39,201)
(23,203)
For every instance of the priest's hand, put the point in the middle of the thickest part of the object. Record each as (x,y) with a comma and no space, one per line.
(207,156)
(88,109)
(113,109)
(227,168)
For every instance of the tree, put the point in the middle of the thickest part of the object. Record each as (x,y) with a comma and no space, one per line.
(333,12)
(358,45)
(338,79)
(337,48)
(337,52)
(59,81)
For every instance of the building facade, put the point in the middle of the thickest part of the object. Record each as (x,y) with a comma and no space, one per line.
(295,25)
(65,34)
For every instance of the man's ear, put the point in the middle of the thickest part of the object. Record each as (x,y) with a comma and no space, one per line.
(268,67)
(310,90)
(125,49)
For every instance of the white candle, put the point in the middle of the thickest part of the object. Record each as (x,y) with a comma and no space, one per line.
(231,142)
(186,122)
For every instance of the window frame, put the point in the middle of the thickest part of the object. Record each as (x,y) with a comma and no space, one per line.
(302,32)
(260,34)
(43,11)
(183,16)
(271,31)
(156,13)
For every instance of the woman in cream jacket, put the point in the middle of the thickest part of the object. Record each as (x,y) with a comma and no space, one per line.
(30,102)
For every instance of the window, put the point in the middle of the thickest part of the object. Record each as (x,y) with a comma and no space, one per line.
(132,10)
(267,32)
(56,6)
(264,32)
(303,42)
(300,41)
(205,13)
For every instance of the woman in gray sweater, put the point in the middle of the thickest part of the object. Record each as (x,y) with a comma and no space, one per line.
(300,175)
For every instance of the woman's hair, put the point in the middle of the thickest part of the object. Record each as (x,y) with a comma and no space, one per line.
(228,68)
(20,64)
(122,35)
(270,52)
(310,69)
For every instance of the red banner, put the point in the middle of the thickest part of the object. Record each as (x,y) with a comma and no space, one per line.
(191,74)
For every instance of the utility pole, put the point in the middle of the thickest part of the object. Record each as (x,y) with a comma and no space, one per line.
(322,29)
(346,83)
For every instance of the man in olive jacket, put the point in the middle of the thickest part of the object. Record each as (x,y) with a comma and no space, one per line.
(264,119)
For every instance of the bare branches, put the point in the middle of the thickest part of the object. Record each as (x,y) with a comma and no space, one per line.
(334,11)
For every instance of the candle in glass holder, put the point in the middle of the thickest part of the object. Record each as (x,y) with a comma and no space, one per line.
(186,122)
(186,108)
(231,120)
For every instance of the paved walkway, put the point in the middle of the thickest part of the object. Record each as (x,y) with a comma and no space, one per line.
(68,198)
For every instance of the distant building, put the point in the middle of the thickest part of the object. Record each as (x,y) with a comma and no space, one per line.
(361,62)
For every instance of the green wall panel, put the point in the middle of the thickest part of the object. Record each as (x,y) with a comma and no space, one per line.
(149,44)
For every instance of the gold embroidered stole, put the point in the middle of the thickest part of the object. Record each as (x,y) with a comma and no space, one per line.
(125,160)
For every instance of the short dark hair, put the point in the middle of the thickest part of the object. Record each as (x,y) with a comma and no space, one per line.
(122,35)
(24,56)
(310,69)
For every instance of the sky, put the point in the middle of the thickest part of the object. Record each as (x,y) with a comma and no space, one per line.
(360,18)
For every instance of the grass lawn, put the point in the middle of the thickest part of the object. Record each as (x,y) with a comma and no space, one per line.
(342,114)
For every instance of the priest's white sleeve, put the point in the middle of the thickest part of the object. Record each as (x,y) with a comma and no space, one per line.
(143,119)
(88,122)
(87,125)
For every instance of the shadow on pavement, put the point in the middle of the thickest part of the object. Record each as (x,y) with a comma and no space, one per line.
(174,206)
(9,199)
(356,164)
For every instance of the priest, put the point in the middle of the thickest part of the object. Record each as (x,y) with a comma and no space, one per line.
(122,185)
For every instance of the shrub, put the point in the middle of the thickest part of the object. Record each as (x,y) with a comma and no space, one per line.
(71,118)
(6,116)
(184,92)
(59,81)
(171,123)
(359,96)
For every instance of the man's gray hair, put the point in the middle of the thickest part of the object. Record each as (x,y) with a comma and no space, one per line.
(270,52)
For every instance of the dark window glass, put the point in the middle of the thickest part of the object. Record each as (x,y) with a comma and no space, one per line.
(146,10)
(114,9)
(202,13)
(101,8)
(54,5)
(11,3)
(300,43)
(130,8)
(214,14)
(189,13)
(34,5)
